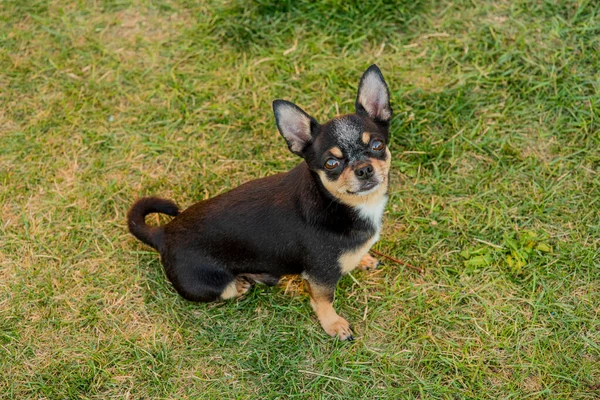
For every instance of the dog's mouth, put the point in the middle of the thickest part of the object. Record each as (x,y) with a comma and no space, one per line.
(366,188)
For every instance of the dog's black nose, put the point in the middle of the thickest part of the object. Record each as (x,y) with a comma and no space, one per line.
(365,172)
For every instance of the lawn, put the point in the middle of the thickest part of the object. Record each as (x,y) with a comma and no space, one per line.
(495,194)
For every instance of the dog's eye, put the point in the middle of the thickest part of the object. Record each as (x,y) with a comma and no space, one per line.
(377,145)
(331,163)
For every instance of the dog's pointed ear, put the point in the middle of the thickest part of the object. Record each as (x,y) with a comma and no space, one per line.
(295,125)
(373,99)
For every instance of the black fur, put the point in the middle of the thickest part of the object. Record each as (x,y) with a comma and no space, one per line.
(151,235)
(287,223)
(278,225)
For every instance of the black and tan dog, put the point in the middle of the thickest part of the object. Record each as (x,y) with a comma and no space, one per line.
(320,219)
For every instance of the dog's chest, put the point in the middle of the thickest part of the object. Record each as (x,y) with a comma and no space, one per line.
(373,214)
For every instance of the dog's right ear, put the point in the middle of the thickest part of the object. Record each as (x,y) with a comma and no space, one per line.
(295,125)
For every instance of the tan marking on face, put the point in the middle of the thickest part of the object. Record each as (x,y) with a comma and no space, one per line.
(339,187)
(332,323)
(366,137)
(236,288)
(336,152)
(350,259)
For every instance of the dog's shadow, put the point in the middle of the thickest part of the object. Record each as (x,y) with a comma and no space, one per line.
(225,319)
(254,317)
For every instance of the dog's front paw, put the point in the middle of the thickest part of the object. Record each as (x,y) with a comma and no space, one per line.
(340,328)
(368,262)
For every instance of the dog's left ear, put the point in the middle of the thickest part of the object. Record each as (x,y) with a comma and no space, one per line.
(373,99)
(295,125)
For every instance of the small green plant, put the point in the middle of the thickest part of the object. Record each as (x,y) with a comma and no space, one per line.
(521,249)
(480,256)
(516,251)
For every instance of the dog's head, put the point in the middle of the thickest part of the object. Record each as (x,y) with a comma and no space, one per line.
(348,153)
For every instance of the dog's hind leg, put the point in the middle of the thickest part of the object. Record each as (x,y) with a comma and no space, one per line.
(236,288)
(266,279)
(203,281)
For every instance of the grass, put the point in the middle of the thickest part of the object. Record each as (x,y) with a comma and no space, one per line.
(496,187)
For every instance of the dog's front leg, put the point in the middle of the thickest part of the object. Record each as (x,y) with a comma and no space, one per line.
(321,300)
(368,262)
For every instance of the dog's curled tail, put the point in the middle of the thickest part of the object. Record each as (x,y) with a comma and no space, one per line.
(151,235)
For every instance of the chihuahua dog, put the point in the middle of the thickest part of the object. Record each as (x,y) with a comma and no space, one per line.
(319,220)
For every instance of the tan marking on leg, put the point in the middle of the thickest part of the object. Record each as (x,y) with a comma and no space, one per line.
(366,137)
(237,288)
(230,291)
(321,300)
(350,259)
(368,262)
(336,152)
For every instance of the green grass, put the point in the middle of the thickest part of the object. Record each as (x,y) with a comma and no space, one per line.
(496,187)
